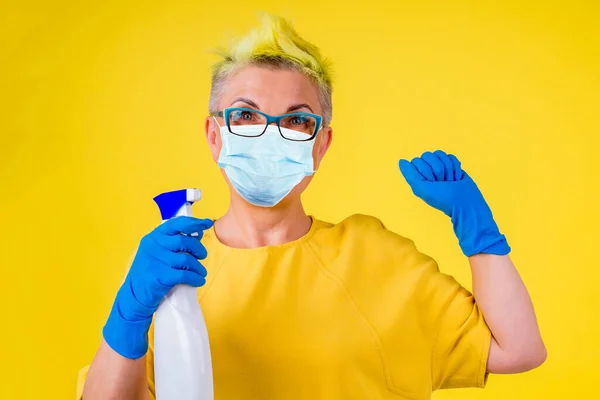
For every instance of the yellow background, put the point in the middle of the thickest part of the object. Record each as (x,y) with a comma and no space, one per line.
(102,108)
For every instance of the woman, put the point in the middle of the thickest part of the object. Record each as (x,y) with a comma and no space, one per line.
(298,308)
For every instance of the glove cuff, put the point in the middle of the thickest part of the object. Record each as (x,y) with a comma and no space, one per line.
(127,338)
(491,245)
(499,248)
(477,232)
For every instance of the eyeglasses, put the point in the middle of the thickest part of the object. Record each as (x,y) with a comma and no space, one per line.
(297,126)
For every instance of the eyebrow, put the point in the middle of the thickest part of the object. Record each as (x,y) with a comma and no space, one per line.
(296,107)
(252,104)
(247,101)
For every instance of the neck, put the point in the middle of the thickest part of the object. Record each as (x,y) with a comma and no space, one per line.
(247,226)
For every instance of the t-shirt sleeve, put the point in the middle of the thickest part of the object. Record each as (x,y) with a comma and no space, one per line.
(462,343)
(431,333)
(81,381)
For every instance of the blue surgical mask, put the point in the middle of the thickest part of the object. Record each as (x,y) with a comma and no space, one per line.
(264,169)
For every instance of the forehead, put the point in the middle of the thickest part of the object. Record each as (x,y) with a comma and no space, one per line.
(273,90)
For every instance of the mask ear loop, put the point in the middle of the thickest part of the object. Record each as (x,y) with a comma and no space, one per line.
(217,122)
(320,129)
(219,125)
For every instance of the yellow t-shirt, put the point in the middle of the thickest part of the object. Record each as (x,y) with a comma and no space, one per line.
(349,311)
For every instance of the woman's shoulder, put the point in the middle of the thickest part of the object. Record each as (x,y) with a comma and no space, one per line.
(362,246)
(365,226)
(362,231)
(355,221)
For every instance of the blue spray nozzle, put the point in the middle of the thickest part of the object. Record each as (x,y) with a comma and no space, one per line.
(169,203)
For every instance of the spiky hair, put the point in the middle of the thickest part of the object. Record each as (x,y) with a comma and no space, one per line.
(275,43)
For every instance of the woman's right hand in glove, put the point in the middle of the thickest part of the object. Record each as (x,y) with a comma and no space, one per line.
(166,257)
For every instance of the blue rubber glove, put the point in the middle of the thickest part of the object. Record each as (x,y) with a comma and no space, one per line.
(438,179)
(165,257)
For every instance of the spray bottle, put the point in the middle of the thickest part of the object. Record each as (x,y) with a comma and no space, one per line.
(182,361)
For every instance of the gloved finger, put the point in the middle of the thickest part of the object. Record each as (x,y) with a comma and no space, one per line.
(184,224)
(186,262)
(436,165)
(174,277)
(181,243)
(183,261)
(458,172)
(448,165)
(424,169)
(409,171)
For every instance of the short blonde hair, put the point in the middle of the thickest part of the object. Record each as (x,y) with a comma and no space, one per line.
(274,44)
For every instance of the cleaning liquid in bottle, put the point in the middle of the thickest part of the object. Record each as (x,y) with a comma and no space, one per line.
(182,361)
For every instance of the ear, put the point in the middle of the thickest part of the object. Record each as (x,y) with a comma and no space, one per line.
(213,137)
(323,143)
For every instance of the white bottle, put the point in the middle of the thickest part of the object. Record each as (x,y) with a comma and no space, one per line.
(182,361)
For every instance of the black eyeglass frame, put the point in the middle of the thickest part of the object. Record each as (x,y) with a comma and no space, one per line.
(226,113)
